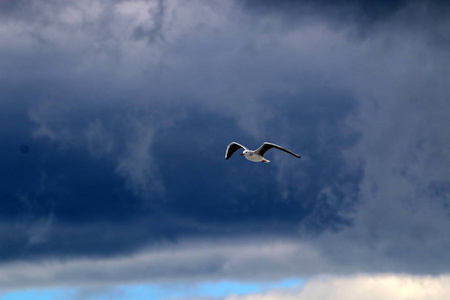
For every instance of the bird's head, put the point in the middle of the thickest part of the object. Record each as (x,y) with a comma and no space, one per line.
(244,152)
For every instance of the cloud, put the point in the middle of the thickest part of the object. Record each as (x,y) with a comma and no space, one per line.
(99,141)
(183,261)
(363,287)
(400,151)
(40,230)
(155,31)
(136,164)
(130,134)
(364,16)
(192,262)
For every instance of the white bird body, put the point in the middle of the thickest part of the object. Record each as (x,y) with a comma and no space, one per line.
(252,156)
(255,155)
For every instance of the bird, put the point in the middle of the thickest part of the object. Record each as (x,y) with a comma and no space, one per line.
(255,155)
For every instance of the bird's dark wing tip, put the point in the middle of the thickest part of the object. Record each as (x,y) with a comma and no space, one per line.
(232,147)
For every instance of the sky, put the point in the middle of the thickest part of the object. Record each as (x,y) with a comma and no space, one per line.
(116,116)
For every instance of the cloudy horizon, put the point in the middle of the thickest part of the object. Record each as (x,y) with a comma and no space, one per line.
(116,116)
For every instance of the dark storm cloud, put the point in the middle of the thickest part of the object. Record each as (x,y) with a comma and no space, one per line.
(68,192)
(364,13)
(154,157)
(361,6)
(126,109)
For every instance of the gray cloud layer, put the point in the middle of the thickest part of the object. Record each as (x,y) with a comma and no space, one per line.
(106,93)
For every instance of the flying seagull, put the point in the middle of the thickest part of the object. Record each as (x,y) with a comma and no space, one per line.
(255,155)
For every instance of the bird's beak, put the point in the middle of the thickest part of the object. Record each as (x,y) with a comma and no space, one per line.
(242,153)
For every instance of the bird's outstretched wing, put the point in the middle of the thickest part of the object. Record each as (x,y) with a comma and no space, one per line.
(232,147)
(267,146)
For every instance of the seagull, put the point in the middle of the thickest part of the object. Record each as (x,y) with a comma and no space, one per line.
(255,155)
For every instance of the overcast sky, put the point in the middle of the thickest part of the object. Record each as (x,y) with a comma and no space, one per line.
(116,115)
